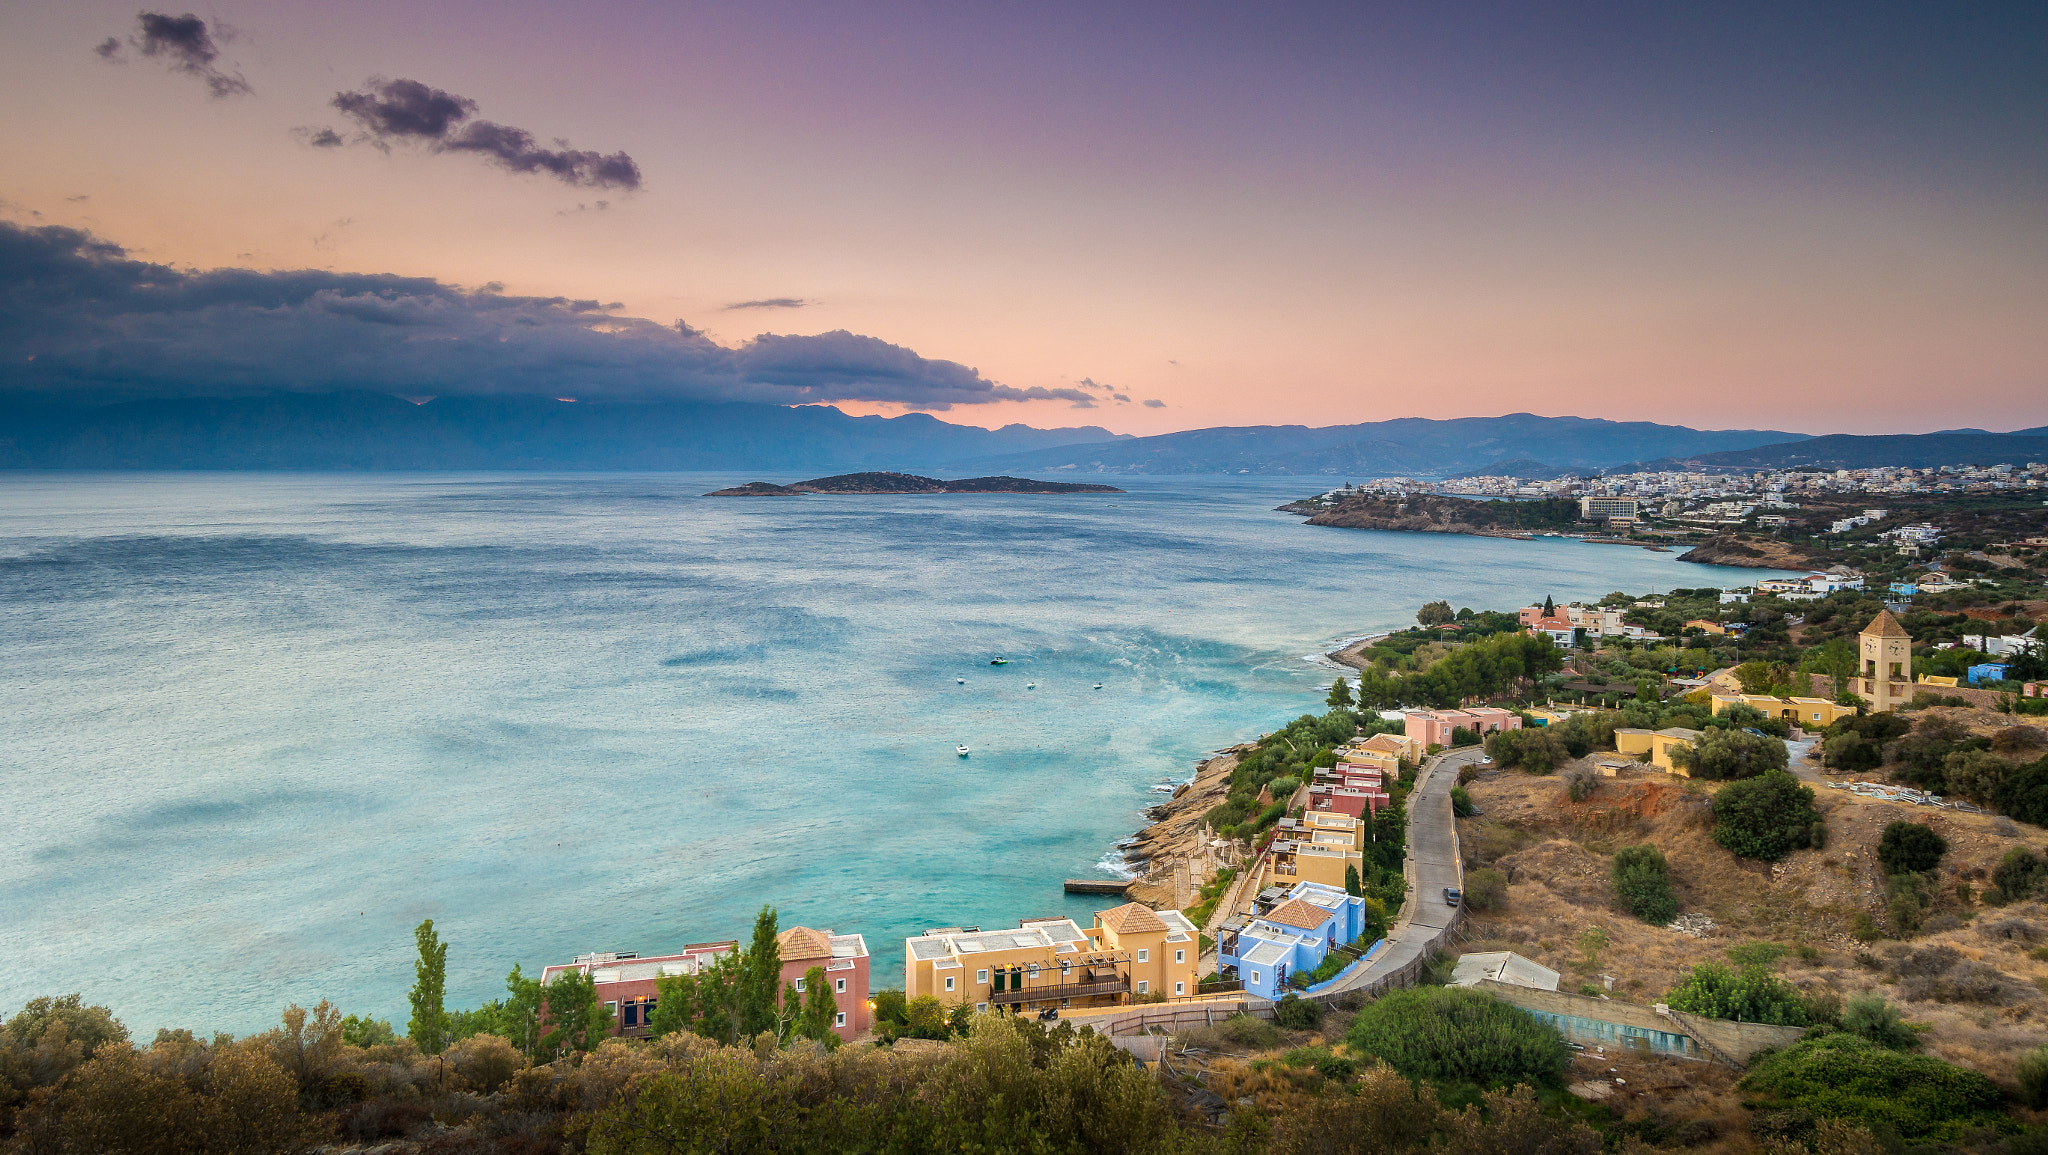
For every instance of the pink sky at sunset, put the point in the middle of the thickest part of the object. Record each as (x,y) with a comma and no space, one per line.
(1315,218)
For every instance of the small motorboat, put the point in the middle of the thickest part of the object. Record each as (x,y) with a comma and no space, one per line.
(962,681)
(1098,685)
(1000,662)
(1031,685)
(962,749)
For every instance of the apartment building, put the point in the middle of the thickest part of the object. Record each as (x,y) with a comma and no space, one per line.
(1319,846)
(1294,936)
(1810,713)
(625,982)
(1433,727)
(1131,951)
(844,959)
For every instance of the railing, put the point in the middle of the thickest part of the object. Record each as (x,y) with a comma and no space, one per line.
(1116,985)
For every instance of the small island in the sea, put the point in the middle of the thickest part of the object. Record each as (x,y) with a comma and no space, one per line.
(857,483)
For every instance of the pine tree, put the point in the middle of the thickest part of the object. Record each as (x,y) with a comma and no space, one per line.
(1352,886)
(1549,607)
(1340,695)
(428,1027)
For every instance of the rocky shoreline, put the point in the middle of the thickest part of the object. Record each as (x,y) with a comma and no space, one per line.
(1177,832)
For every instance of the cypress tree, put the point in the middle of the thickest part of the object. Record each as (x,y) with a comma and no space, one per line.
(762,976)
(428,1027)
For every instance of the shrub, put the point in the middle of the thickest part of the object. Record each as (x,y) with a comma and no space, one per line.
(1452,1034)
(1727,755)
(1643,880)
(1755,954)
(1978,775)
(2019,875)
(1910,848)
(2024,793)
(1580,782)
(1766,817)
(2033,1078)
(1537,751)
(1843,1076)
(1486,889)
(1461,803)
(1750,995)
(1298,1014)
(1460,736)
(1873,1018)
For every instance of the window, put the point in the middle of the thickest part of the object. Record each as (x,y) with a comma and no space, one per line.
(612,1009)
(1034,970)
(799,985)
(981,1008)
(1180,988)
(1066,967)
(632,1016)
(839,985)
(1255,976)
(1180,956)
(981,976)
(1144,956)
(1143,986)
(839,1020)
(949,982)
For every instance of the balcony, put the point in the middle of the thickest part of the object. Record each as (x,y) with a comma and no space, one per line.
(1112,985)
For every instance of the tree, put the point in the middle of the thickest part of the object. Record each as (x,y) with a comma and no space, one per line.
(763,970)
(1642,878)
(1352,886)
(1870,1016)
(1728,755)
(1340,695)
(576,1019)
(428,1027)
(1765,817)
(91,1027)
(1549,607)
(819,1007)
(675,1005)
(519,1014)
(2021,874)
(1435,614)
(1452,1034)
(1835,659)
(1910,848)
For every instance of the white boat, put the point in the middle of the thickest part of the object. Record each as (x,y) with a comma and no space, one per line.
(1031,685)
(962,681)
(962,749)
(1098,685)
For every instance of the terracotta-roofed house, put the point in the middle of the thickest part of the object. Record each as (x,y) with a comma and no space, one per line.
(844,959)
(1292,938)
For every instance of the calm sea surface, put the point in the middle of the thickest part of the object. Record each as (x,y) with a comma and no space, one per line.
(253,728)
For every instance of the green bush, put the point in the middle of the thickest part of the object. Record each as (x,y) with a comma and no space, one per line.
(1750,995)
(1298,1014)
(1486,889)
(1871,1017)
(1766,817)
(1642,878)
(1536,751)
(1727,755)
(1844,1076)
(2033,1078)
(1451,1034)
(1460,736)
(2024,793)
(1461,803)
(2019,875)
(1910,848)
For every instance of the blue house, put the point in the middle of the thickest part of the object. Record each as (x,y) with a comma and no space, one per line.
(1293,937)
(1906,588)
(1988,672)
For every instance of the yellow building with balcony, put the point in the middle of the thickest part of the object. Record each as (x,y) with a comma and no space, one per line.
(1318,846)
(1132,951)
(1810,713)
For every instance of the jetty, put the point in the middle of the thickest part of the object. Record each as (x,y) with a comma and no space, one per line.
(1097,885)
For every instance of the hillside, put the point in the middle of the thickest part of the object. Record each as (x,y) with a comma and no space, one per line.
(1430,513)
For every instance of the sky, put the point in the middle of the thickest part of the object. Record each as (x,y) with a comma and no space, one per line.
(1823,218)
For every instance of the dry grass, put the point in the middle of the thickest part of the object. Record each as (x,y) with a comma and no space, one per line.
(1981,1007)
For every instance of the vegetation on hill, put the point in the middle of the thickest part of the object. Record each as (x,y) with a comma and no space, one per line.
(1456,1035)
(1916,1098)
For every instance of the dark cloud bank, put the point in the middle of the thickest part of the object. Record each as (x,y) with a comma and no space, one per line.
(79,319)
(182,44)
(387,112)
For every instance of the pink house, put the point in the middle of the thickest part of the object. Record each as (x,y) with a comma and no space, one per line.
(1433,727)
(844,958)
(626,982)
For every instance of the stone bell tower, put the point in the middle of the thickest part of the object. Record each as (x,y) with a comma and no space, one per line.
(1884,673)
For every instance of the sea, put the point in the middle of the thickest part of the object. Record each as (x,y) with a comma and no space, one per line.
(256,727)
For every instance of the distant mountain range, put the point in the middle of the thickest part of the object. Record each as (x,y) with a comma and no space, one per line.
(367,431)
(1847,451)
(1408,446)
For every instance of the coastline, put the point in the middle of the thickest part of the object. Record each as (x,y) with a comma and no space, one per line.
(1177,836)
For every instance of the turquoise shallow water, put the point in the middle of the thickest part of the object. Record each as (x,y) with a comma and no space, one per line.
(253,728)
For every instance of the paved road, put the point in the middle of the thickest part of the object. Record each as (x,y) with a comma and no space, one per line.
(1432,866)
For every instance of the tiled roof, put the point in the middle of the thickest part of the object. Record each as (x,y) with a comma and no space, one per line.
(1383,742)
(1132,918)
(801,942)
(1297,913)
(1884,625)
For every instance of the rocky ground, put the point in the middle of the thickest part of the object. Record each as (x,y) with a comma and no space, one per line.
(1177,831)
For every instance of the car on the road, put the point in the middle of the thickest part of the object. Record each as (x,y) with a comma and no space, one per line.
(1451,895)
(1485,761)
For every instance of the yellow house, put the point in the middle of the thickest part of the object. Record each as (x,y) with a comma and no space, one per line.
(1324,843)
(1548,717)
(1811,713)
(1658,744)
(1941,680)
(1385,751)
(1131,951)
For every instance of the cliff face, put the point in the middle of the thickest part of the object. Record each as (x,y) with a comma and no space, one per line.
(1751,553)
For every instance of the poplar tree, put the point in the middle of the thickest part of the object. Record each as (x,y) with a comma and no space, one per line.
(819,1006)
(429,1025)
